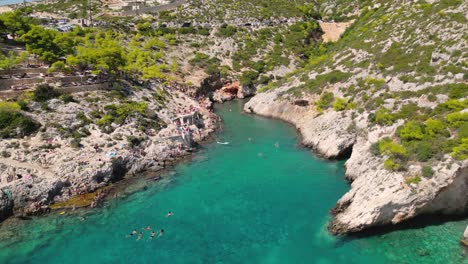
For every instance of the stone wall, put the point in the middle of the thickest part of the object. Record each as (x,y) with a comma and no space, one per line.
(69,90)
(24,70)
(5,84)
(153,8)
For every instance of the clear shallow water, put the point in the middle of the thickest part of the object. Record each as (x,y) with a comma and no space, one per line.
(230,206)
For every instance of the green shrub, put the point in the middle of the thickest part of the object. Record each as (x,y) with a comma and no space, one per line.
(460,151)
(226,31)
(340,104)
(118,113)
(427,172)
(44,92)
(457,119)
(329,78)
(392,149)
(392,165)
(415,180)
(15,124)
(434,127)
(411,131)
(67,98)
(383,117)
(248,78)
(423,151)
(134,141)
(325,101)
(75,142)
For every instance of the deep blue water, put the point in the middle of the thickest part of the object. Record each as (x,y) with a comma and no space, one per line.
(246,202)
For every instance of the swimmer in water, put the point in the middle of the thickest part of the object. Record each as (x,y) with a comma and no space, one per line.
(133,232)
(152,235)
(169,214)
(139,236)
(161,232)
(148,228)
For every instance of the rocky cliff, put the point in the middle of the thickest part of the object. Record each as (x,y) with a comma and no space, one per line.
(377,196)
(464,239)
(368,101)
(76,152)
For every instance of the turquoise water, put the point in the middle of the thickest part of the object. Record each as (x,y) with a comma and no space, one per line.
(231,205)
(12,2)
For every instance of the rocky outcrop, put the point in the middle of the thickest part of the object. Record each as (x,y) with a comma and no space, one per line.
(246,91)
(6,205)
(233,90)
(327,134)
(464,239)
(46,168)
(377,196)
(380,197)
(209,85)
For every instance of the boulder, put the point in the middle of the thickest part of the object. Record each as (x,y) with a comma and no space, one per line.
(464,239)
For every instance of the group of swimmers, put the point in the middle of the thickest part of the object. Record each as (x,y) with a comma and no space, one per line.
(148,228)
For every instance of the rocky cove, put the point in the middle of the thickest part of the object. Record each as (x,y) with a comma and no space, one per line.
(255,205)
(384,89)
(377,197)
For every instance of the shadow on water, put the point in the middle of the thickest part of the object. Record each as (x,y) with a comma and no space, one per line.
(418,222)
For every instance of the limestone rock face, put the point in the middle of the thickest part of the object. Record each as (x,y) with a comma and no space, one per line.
(464,239)
(6,206)
(380,197)
(46,168)
(326,134)
(233,90)
(246,91)
(377,196)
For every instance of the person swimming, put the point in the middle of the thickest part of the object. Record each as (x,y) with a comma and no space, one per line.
(148,228)
(152,235)
(139,236)
(169,214)
(161,232)
(133,232)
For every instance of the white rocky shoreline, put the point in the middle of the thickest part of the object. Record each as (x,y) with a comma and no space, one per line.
(377,197)
(36,177)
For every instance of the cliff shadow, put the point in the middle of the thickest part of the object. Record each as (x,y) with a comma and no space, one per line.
(418,222)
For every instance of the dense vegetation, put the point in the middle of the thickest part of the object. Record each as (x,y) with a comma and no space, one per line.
(13,123)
